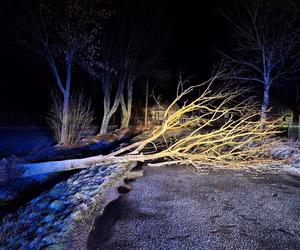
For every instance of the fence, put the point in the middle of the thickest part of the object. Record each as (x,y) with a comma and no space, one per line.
(16,119)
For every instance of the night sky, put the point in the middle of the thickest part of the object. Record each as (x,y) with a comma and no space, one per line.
(193,30)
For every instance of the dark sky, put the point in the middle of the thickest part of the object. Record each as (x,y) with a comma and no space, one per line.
(198,29)
(194,28)
(193,31)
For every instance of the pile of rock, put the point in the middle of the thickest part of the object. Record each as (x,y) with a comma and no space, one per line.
(287,149)
(63,217)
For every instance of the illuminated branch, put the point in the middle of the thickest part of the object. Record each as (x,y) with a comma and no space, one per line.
(225,131)
(212,138)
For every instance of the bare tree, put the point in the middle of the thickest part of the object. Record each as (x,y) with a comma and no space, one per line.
(109,108)
(265,44)
(124,56)
(130,68)
(115,67)
(101,66)
(143,59)
(62,32)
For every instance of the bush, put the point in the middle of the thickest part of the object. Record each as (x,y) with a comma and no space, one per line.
(80,122)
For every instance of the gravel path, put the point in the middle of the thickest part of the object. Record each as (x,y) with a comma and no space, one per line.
(173,208)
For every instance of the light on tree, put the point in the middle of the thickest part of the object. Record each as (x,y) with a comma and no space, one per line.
(227,131)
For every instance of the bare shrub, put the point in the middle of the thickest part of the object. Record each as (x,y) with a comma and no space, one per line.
(81,118)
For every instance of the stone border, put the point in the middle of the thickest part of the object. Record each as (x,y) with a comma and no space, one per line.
(63,217)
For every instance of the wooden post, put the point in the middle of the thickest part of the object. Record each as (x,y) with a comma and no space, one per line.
(298,126)
(146,102)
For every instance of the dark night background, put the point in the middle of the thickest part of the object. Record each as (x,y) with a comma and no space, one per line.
(194,29)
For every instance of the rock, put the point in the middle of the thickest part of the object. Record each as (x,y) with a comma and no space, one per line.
(94,192)
(135,174)
(297,161)
(33,244)
(83,207)
(59,246)
(88,189)
(94,169)
(33,216)
(58,225)
(66,212)
(75,183)
(13,240)
(57,193)
(49,218)
(29,233)
(43,205)
(23,244)
(76,216)
(40,230)
(104,168)
(78,196)
(57,205)
(36,200)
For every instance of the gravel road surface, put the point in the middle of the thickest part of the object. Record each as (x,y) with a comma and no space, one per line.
(174,208)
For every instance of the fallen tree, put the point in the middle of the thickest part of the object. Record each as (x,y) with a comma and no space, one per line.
(221,126)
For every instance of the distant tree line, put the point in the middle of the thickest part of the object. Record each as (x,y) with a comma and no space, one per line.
(108,44)
(118,51)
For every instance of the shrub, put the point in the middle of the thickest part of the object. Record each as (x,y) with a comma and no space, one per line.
(80,122)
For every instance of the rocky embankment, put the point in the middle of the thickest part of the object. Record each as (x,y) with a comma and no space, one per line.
(62,217)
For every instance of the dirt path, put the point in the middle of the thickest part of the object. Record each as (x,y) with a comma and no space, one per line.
(173,208)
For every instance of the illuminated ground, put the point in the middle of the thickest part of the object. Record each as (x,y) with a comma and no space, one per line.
(172,208)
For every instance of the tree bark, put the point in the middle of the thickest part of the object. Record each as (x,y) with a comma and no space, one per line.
(108,110)
(127,106)
(106,86)
(104,124)
(126,113)
(65,114)
(265,104)
(65,120)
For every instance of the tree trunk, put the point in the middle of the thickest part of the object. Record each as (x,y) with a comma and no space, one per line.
(108,110)
(66,111)
(126,113)
(65,120)
(104,124)
(127,107)
(265,104)
(125,120)
(106,86)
